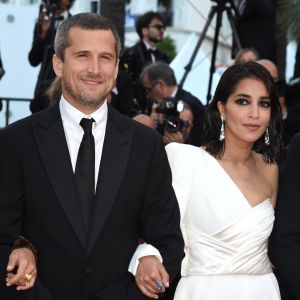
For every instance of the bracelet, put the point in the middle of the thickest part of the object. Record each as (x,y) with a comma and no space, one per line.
(22,242)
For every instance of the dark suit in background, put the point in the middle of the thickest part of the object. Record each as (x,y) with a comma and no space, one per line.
(134,198)
(284,247)
(256,27)
(41,53)
(122,101)
(133,60)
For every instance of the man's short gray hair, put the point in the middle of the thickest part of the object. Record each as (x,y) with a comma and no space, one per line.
(159,71)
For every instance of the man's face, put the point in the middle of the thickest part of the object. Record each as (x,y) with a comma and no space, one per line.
(89,68)
(64,4)
(155,31)
(153,90)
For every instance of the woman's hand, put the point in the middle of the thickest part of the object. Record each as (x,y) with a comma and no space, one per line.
(151,276)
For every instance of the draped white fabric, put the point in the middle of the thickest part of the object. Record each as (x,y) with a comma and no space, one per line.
(225,237)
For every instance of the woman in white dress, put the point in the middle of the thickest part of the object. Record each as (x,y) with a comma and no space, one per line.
(227,191)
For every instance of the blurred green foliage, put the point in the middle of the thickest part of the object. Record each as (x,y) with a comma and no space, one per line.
(167,46)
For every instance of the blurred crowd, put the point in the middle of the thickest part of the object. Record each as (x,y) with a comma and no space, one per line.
(146,84)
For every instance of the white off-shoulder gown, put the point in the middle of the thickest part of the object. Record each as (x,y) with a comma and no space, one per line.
(225,237)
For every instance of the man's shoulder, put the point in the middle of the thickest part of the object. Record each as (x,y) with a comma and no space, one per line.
(133,50)
(41,117)
(139,129)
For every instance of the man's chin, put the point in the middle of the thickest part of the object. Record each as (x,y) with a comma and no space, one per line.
(92,102)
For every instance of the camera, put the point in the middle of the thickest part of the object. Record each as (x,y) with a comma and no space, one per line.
(49,7)
(170,108)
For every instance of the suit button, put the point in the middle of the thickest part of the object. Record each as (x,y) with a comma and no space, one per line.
(88,272)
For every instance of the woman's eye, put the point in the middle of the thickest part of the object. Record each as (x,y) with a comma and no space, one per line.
(241,101)
(265,104)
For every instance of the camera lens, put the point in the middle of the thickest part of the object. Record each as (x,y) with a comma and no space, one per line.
(173,124)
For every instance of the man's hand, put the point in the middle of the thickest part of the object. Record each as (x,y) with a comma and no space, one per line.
(156,117)
(150,275)
(24,260)
(170,137)
(44,25)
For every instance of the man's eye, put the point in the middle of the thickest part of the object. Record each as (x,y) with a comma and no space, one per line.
(241,101)
(265,104)
(106,58)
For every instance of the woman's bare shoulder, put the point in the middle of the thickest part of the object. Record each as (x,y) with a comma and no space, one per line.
(270,170)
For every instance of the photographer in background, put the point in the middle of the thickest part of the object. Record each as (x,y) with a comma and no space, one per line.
(150,27)
(159,82)
(51,14)
(182,135)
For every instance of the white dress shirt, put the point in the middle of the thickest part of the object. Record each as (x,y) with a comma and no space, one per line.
(71,118)
(148,47)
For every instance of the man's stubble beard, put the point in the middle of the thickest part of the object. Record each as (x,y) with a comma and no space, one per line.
(84,99)
(155,40)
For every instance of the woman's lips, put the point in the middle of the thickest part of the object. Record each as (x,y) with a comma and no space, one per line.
(252,127)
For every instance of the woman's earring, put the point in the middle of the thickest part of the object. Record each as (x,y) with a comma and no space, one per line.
(267,138)
(222,136)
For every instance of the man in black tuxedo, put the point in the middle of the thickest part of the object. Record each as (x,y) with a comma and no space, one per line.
(285,240)
(51,14)
(86,223)
(150,27)
(159,82)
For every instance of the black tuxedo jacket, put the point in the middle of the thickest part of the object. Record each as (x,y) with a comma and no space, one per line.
(134,198)
(285,239)
(135,58)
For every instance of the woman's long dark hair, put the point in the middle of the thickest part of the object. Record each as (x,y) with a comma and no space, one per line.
(272,153)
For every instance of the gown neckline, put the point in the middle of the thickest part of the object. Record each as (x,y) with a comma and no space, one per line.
(233,182)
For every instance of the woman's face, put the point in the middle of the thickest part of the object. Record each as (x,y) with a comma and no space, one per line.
(247,111)
(247,56)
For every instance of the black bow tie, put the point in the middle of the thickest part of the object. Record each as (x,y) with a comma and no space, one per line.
(153,51)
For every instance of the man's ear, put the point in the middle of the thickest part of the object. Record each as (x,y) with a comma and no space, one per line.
(144,31)
(57,65)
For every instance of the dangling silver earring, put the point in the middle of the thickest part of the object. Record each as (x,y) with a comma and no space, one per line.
(267,138)
(222,136)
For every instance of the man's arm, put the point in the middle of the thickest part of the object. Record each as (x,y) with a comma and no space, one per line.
(11,200)
(160,219)
(285,239)
(36,52)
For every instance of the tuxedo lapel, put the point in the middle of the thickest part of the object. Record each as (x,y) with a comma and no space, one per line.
(54,152)
(115,154)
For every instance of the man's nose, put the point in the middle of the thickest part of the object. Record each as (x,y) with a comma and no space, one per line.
(94,66)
